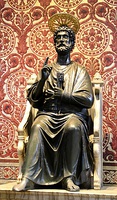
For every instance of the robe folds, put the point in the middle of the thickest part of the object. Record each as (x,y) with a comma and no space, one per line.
(58,146)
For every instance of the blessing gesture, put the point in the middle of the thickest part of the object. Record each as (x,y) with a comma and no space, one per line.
(46,70)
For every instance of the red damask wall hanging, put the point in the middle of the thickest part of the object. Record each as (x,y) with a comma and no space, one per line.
(25,42)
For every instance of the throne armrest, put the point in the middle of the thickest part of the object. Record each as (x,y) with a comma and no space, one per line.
(23,138)
(24,128)
(97,130)
(25,119)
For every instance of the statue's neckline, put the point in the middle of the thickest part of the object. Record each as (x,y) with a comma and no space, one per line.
(61,68)
(64,64)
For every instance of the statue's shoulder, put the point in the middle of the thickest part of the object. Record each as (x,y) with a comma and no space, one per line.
(77,66)
(52,64)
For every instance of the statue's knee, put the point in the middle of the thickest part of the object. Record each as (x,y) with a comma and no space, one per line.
(71,128)
(35,129)
(74,125)
(73,131)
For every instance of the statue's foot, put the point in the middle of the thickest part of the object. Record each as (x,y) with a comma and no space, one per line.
(69,185)
(25,184)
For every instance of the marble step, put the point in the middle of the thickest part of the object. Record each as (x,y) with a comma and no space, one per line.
(108,192)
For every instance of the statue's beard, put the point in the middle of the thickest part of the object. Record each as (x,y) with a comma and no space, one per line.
(63,47)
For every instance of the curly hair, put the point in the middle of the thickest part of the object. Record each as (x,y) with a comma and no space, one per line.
(70,32)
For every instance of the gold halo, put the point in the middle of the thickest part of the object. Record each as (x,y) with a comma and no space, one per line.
(66,19)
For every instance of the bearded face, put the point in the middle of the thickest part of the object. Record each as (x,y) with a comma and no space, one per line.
(63,43)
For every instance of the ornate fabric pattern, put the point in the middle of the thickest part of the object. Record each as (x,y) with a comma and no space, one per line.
(26,41)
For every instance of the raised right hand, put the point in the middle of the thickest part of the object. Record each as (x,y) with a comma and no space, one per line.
(46,70)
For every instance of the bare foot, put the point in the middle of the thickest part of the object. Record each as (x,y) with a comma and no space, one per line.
(25,184)
(69,185)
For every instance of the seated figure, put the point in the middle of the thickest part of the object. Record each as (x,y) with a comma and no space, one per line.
(58,150)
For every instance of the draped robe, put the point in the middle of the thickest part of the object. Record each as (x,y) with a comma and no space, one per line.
(53,154)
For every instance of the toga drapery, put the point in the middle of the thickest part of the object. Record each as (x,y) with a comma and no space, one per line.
(55,149)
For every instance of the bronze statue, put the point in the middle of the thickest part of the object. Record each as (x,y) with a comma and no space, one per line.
(58,149)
